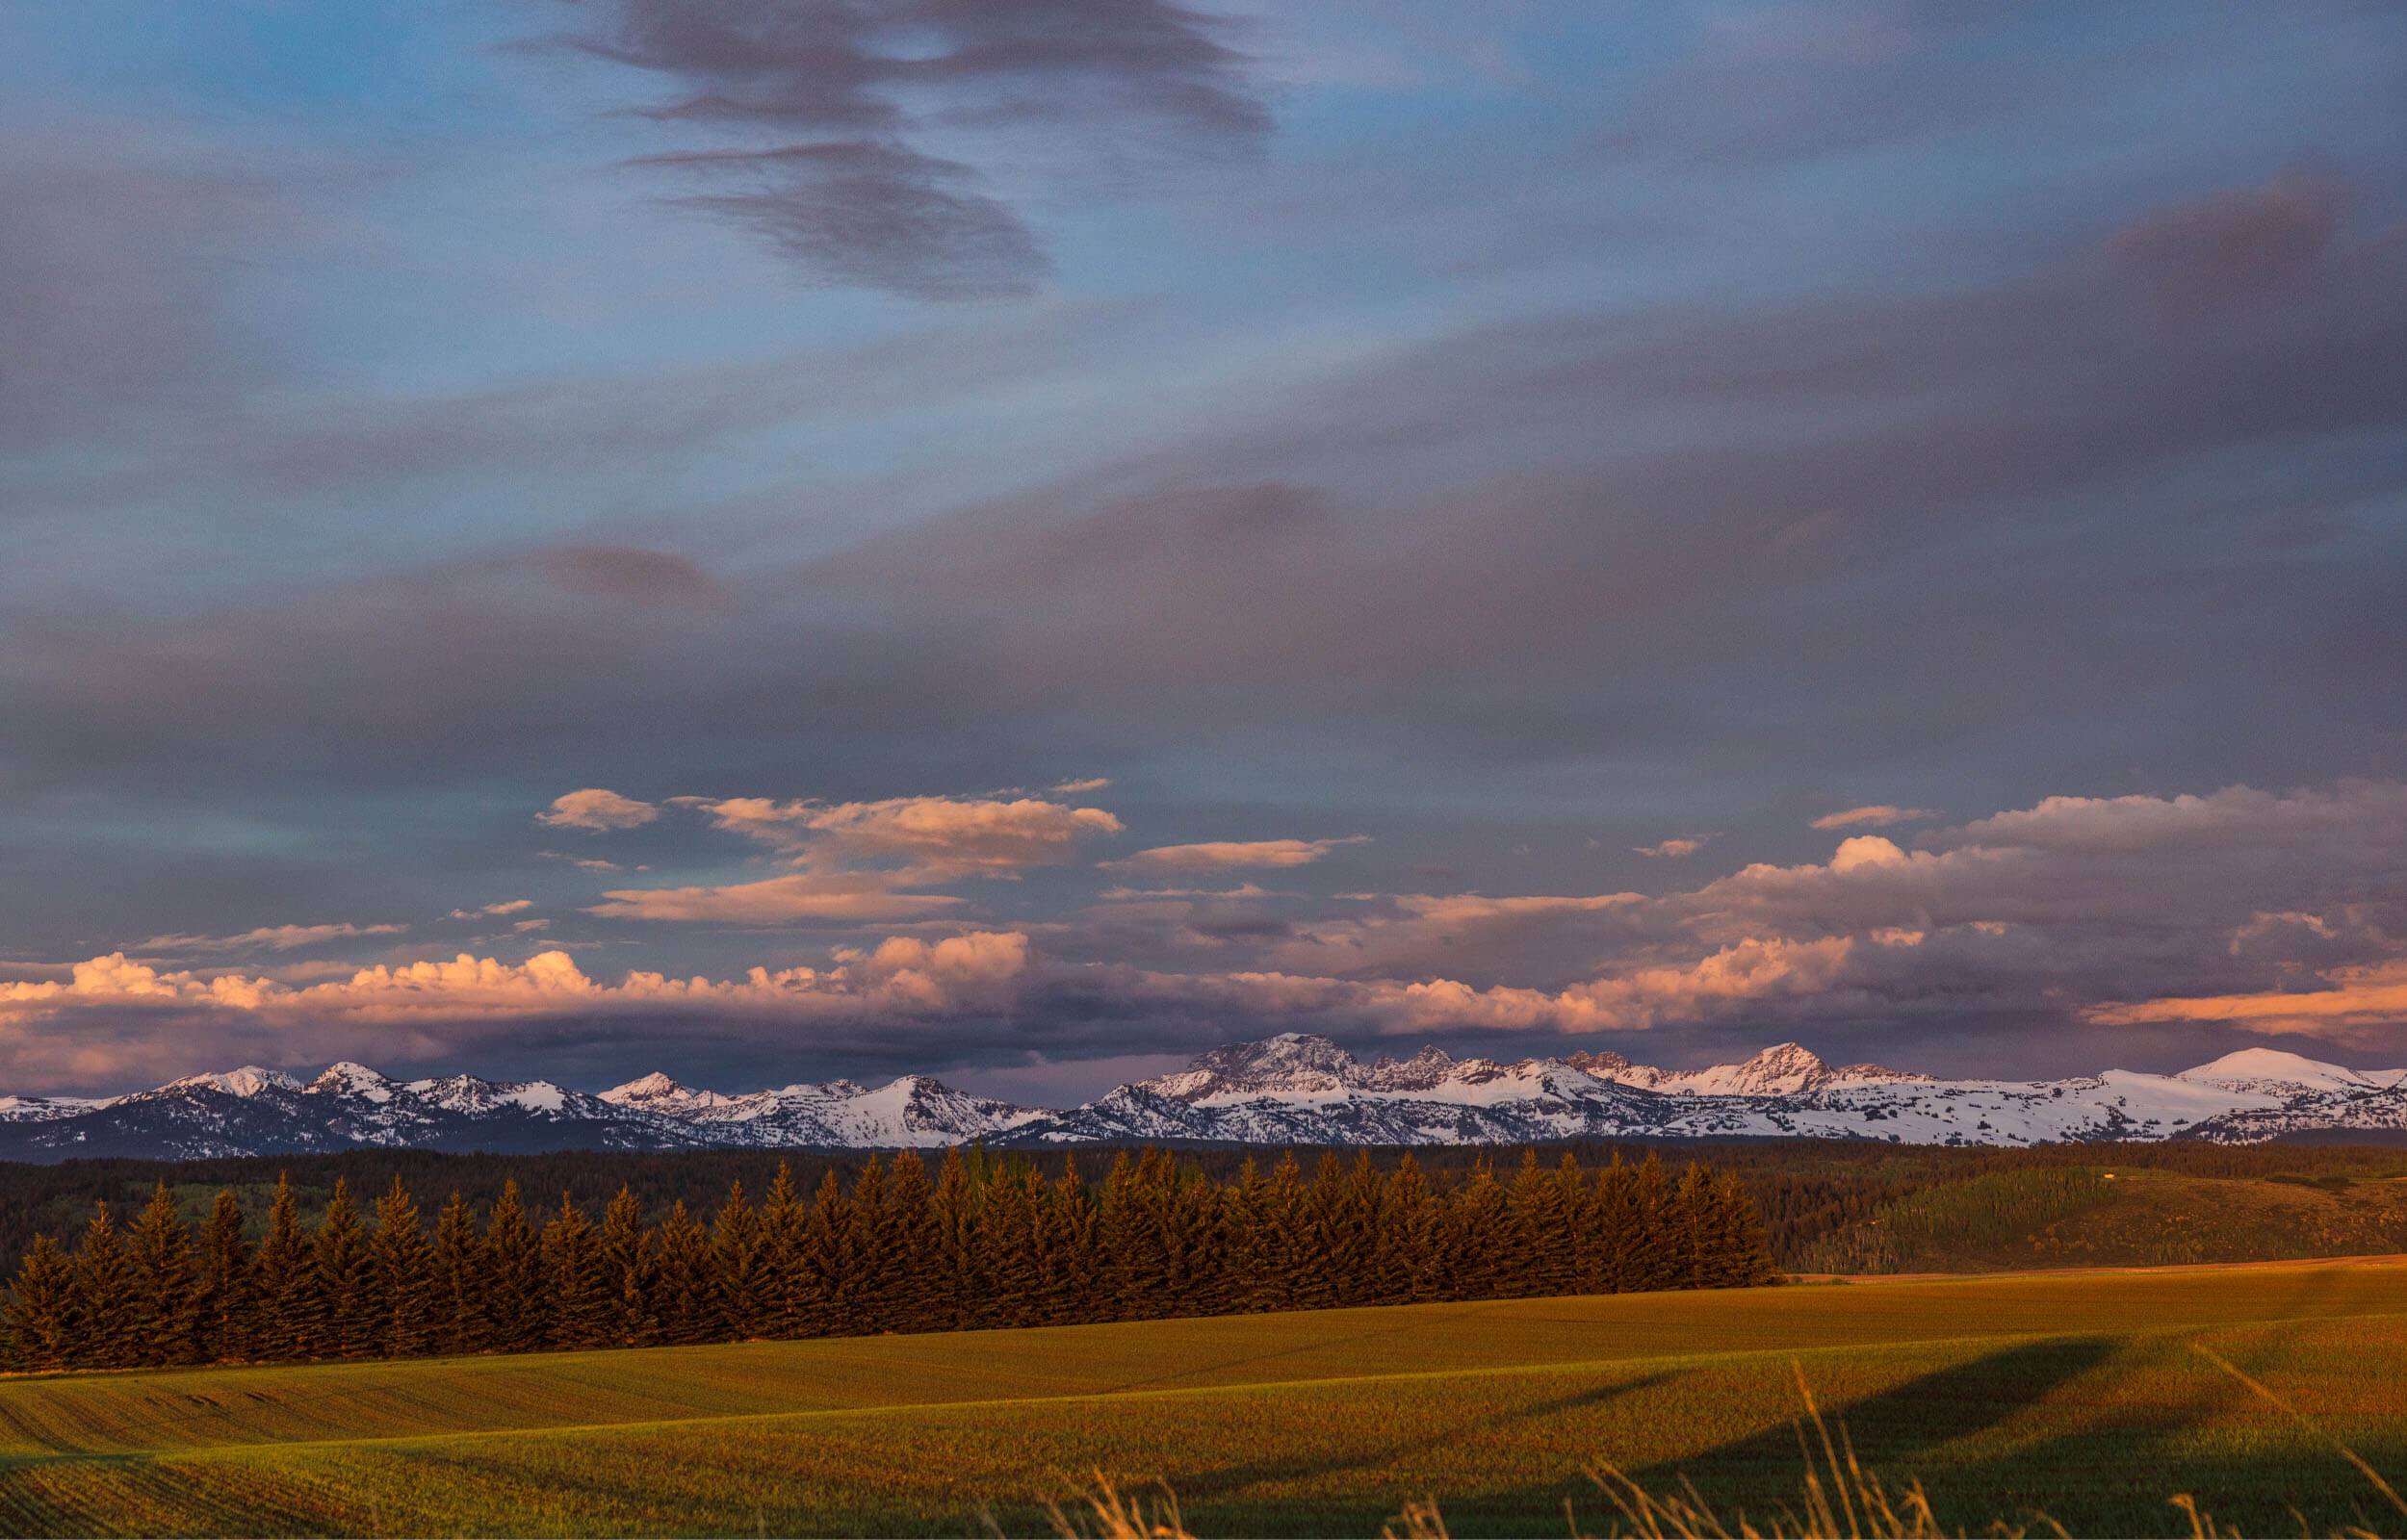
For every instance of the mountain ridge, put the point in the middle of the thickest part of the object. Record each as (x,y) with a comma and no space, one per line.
(1288,1089)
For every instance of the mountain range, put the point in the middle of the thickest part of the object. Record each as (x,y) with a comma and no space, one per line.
(1287,1090)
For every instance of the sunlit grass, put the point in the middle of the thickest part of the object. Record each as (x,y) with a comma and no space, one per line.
(2080,1398)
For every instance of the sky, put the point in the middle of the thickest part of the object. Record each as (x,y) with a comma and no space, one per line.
(1024,539)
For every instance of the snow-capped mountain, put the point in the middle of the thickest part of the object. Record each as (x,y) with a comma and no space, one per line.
(1287,1090)
(912,1110)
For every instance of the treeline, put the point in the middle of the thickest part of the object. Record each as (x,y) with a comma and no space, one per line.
(980,1243)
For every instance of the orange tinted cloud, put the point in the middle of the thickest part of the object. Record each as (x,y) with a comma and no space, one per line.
(1220,855)
(1876,815)
(595,810)
(2367,996)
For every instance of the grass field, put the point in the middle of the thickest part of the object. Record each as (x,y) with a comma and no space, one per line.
(2076,1393)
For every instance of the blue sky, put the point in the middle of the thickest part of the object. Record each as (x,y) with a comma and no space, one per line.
(1418,459)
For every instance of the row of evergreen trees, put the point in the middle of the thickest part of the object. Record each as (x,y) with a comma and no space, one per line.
(984,1243)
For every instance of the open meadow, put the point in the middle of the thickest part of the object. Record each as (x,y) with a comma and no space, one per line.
(2075,1394)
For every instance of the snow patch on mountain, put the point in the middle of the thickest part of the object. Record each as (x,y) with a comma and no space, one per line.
(1292,1089)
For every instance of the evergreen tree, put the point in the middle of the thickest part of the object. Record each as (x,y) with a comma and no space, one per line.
(164,1303)
(628,1272)
(1651,1257)
(823,1282)
(348,1318)
(285,1323)
(739,1268)
(1408,1235)
(686,1296)
(462,1321)
(226,1292)
(404,1277)
(876,1254)
(1011,1250)
(951,1253)
(516,1292)
(1478,1238)
(1286,1226)
(582,1310)
(41,1322)
(788,1302)
(1071,1285)
(107,1322)
(908,1300)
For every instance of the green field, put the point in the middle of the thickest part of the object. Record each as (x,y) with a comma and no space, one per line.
(2075,1394)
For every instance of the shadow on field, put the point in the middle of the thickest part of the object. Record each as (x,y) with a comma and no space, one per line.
(1901,1431)
(1236,1478)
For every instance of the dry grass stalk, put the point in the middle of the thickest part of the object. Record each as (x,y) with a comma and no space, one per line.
(1102,1511)
(1838,1499)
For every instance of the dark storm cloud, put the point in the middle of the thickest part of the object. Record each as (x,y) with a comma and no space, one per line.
(831,104)
(118,248)
(1904,454)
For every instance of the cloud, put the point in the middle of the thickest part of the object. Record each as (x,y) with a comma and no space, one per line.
(822,125)
(118,275)
(1223,855)
(595,808)
(2231,244)
(850,899)
(1878,815)
(858,859)
(1072,789)
(932,837)
(267,938)
(1675,849)
(632,576)
(507,906)
(125,1016)
(2357,1001)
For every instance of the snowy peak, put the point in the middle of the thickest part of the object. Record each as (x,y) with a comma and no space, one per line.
(1291,1062)
(249,1081)
(1288,1090)
(657,1092)
(2273,1071)
(1783,1069)
(347,1079)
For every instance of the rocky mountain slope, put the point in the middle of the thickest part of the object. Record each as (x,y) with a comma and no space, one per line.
(1287,1090)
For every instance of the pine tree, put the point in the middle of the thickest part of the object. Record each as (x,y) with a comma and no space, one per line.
(908,1300)
(405,1283)
(739,1268)
(1737,1253)
(1407,1236)
(1192,1223)
(1011,1245)
(343,1271)
(875,1250)
(1651,1257)
(824,1282)
(226,1292)
(1478,1233)
(517,1293)
(159,1257)
(582,1307)
(285,1325)
(628,1272)
(1072,1281)
(1686,1229)
(788,1299)
(41,1323)
(951,1256)
(686,1297)
(107,1337)
(1542,1243)
(1286,1225)
(462,1321)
